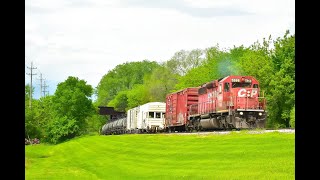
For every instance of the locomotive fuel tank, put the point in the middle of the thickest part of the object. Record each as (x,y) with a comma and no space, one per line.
(211,123)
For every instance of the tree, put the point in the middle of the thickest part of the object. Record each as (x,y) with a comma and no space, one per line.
(194,77)
(32,128)
(292,117)
(72,101)
(61,129)
(160,83)
(27,92)
(183,61)
(123,77)
(120,101)
(138,95)
(253,61)
(212,67)
(282,85)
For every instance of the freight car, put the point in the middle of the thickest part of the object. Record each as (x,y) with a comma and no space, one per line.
(177,108)
(147,118)
(117,126)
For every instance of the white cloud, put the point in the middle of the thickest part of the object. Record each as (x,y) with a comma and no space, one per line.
(88,38)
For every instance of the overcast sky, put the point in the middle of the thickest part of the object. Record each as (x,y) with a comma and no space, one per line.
(87,38)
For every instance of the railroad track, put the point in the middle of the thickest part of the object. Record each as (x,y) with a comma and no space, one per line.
(227,132)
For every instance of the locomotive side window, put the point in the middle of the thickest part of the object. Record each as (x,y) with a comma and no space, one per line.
(255,86)
(158,115)
(226,87)
(151,114)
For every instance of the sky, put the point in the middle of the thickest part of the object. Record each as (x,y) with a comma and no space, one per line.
(88,38)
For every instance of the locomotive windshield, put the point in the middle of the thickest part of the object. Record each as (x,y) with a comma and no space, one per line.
(239,84)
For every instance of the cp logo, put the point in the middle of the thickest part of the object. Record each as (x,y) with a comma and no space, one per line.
(244,93)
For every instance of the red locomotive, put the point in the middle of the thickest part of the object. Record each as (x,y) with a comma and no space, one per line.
(232,102)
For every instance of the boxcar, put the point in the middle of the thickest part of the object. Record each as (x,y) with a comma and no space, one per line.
(177,108)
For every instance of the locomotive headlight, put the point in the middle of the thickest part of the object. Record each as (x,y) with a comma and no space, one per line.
(241,113)
(260,114)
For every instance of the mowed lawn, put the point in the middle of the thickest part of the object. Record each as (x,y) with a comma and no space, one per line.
(238,155)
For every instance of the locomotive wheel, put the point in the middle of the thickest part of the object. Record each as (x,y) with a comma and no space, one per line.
(188,129)
(230,126)
(224,127)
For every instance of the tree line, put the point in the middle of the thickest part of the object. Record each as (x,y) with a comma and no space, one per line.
(70,112)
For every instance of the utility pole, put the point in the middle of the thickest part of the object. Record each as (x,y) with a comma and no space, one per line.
(41,84)
(31,68)
(44,88)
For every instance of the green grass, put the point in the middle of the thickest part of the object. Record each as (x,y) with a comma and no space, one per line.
(216,156)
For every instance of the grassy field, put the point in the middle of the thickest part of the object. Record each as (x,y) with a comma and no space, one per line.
(215,156)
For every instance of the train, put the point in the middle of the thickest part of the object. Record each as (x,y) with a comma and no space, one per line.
(231,102)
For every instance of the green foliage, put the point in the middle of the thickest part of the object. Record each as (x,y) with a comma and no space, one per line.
(27,92)
(41,115)
(36,116)
(203,73)
(120,102)
(123,77)
(281,89)
(61,129)
(193,78)
(160,83)
(71,100)
(218,63)
(32,126)
(254,62)
(293,117)
(138,95)
(95,122)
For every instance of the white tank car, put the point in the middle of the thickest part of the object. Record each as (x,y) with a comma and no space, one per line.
(148,117)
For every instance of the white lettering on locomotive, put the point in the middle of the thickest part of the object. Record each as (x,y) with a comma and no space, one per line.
(244,93)
(254,92)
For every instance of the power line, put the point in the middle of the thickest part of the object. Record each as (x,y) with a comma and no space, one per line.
(44,88)
(41,84)
(31,68)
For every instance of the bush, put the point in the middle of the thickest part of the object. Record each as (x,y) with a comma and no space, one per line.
(61,129)
(292,117)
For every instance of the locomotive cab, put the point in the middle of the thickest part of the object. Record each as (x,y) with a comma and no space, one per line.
(246,102)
